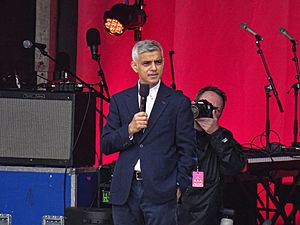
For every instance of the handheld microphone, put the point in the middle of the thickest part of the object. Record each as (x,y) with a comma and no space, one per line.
(29,44)
(285,33)
(144,92)
(247,28)
(93,40)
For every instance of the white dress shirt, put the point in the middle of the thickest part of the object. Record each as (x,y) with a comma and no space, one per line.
(149,105)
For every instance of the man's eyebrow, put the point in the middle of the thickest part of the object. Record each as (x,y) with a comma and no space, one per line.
(156,60)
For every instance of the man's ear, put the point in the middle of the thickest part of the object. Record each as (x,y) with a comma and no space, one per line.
(134,66)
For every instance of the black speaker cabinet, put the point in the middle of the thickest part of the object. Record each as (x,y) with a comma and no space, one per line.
(88,216)
(47,128)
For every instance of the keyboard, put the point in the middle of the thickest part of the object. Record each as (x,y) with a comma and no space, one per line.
(283,158)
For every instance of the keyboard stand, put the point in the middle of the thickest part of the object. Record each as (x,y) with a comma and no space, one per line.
(273,206)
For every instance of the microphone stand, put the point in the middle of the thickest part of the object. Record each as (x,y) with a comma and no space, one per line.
(98,94)
(268,96)
(296,88)
(173,85)
(268,88)
(103,87)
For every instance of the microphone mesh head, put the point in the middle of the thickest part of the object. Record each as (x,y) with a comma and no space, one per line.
(243,25)
(27,44)
(92,37)
(281,30)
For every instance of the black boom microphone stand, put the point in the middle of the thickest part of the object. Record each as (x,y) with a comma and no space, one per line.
(41,47)
(295,86)
(268,88)
(171,53)
(173,85)
(93,40)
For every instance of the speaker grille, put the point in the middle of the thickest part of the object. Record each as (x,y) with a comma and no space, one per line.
(32,127)
(41,128)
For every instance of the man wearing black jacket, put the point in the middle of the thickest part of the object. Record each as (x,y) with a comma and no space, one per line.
(218,154)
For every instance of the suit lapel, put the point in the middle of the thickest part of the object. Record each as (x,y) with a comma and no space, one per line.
(159,106)
(132,101)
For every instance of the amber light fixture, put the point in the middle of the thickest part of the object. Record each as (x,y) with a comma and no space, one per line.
(123,16)
(114,27)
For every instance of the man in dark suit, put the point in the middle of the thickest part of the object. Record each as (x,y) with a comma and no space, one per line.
(156,143)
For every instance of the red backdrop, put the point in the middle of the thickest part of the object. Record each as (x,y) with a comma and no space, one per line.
(210,48)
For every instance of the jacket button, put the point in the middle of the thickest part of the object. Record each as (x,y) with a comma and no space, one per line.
(141,145)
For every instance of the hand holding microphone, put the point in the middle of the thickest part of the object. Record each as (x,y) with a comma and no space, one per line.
(140,119)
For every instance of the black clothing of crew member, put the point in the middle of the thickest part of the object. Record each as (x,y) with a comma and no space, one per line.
(218,154)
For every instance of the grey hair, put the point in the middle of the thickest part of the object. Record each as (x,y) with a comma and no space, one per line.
(145,46)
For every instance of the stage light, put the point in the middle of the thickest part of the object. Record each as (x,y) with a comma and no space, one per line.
(122,16)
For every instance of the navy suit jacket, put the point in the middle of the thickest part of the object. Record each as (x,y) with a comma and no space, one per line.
(166,149)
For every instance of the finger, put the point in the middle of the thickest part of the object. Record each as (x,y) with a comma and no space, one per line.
(141,114)
(204,119)
(142,123)
(214,112)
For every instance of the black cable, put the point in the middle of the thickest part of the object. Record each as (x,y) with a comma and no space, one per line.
(82,122)
(253,139)
(252,146)
(74,146)
(272,144)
